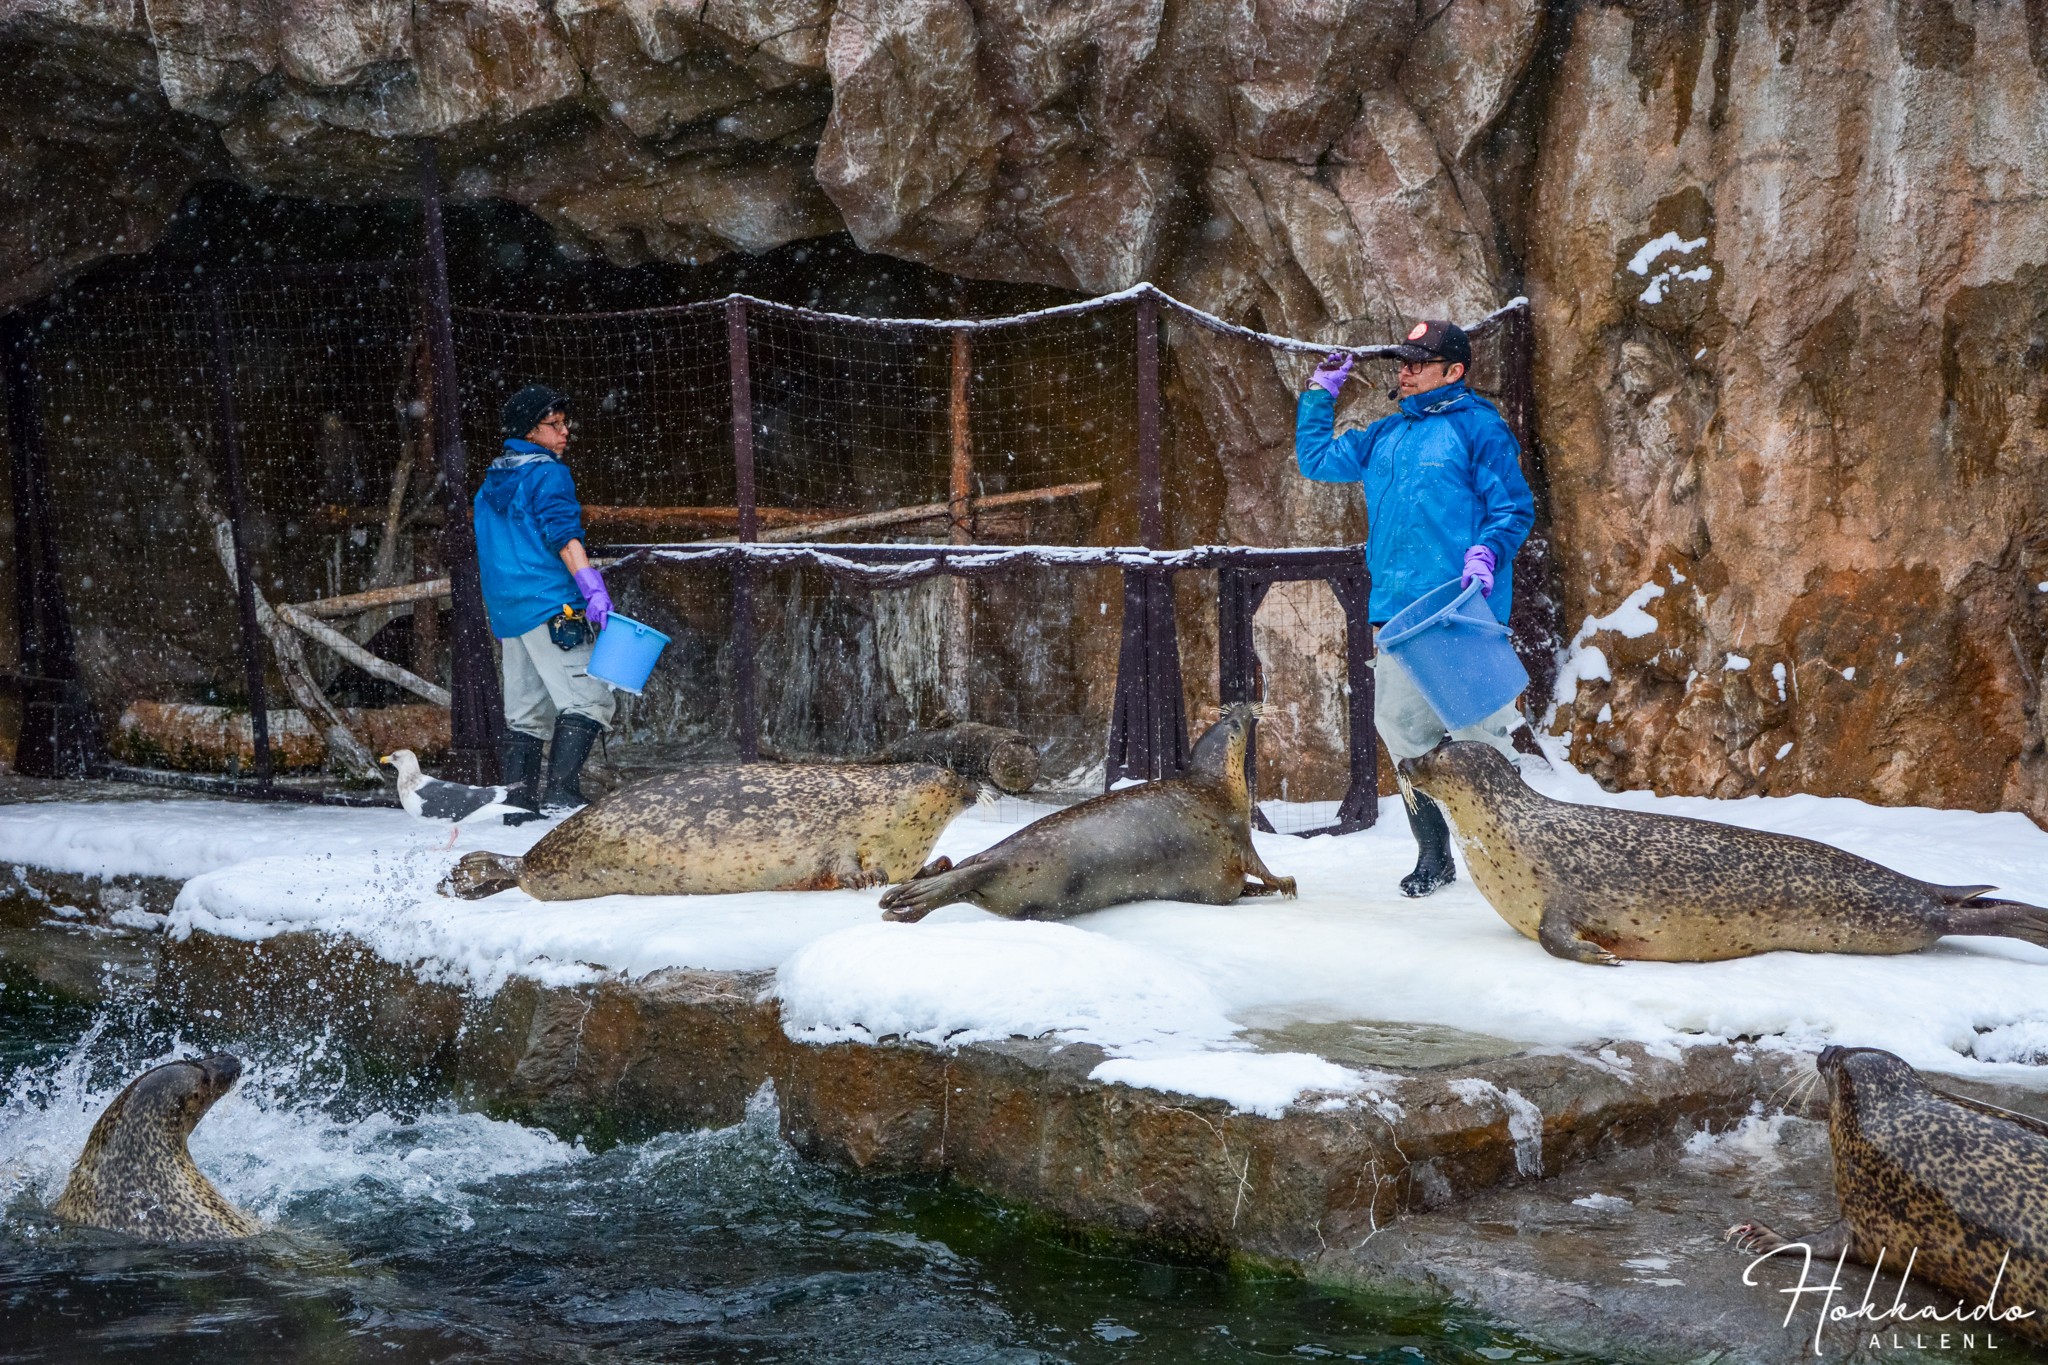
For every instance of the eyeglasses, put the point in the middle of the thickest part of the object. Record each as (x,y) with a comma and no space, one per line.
(1408,365)
(558,423)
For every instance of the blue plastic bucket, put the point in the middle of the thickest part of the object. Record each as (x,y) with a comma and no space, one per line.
(626,652)
(1460,656)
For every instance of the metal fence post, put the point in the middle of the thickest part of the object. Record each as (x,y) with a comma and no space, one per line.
(743,661)
(1238,595)
(57,737)
(229,437)
(476,702)
(1360,808)
(1148,723)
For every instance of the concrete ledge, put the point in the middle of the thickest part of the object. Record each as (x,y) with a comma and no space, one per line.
(1019,1120)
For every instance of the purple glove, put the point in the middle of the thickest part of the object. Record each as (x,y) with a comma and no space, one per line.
(597,603)
(1331,374)
(1478,569)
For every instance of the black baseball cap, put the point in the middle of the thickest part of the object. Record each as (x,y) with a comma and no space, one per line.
(1436,341)
(529,407)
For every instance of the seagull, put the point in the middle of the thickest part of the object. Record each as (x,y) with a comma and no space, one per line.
(430,798)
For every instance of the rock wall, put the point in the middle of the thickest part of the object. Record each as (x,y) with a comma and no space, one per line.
(1790,273)
(1789,260)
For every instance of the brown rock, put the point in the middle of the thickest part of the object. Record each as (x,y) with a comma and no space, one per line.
(1837,436)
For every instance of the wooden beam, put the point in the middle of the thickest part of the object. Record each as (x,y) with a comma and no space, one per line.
(934,511)
(360,657)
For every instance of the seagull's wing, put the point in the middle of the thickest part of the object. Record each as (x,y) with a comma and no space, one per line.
(441,800)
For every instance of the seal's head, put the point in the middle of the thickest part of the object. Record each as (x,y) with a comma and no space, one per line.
(1857,1075)
(135,1174)
(182,1092)
(1219,753)
(1458,767)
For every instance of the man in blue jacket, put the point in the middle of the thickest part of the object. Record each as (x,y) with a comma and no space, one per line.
(1444,498)
(546,603)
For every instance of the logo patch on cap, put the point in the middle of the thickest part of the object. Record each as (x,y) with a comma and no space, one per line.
(1421,330)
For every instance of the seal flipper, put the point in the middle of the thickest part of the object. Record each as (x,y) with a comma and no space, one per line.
(1972,913)
(481,874)
(1560,937)
(1260,879)
(928,890)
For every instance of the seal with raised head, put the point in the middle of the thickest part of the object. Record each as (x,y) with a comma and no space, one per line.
(1183,839)
(136,1174)
(734,827)
(1596,884)
(1955,1184)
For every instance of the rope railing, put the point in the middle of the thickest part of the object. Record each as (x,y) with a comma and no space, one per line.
(1033,442)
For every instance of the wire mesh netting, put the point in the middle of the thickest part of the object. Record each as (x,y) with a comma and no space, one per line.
(860,430)
(652,392)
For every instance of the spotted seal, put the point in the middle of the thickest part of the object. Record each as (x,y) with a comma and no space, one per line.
(1183,839)
(1958,1185)
(734,827)
(136,1175)
(1595,884)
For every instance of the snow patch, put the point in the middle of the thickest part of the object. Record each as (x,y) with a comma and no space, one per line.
(951,984)
(2024,1041)
(1736,663)
(1647,254)
(1604,1203)
(1262,1083)
(1584,662)
(1525,1120)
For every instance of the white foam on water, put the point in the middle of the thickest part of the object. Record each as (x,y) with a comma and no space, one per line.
(268,1143)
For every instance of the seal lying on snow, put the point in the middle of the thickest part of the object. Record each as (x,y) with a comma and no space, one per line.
(734,827)
(1959,1186)
(135,1174)
(1184,839)
(1595,884)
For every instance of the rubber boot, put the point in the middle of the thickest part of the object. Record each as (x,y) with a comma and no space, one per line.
(519,765)
(573,737)
(1433,868)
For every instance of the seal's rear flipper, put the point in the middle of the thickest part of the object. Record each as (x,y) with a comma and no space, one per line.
(1987,916)
(928,890)
(481,874)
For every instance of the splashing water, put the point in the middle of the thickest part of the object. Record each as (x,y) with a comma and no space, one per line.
(404,1229)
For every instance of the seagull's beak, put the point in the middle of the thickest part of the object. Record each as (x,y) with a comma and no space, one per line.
(386,761)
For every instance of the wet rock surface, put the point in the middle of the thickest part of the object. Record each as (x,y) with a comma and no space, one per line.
(1479,1168)
(1787,269)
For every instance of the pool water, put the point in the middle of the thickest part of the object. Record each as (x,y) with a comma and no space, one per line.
(405,1229)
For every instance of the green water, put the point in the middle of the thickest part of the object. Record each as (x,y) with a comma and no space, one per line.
(410,1231)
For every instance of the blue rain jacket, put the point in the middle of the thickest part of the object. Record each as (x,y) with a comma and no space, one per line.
(1441,475)
(525,513)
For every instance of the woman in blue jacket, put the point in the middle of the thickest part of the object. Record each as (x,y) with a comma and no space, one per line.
(529,546)
(1444,498)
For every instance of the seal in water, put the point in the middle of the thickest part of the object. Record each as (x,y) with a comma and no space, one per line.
(734,827)
(1958,1185)
(135,1174)
(1595,884)
(1184,839)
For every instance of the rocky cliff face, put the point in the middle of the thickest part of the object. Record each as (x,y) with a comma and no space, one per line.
(1788,268)
(1789,258)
